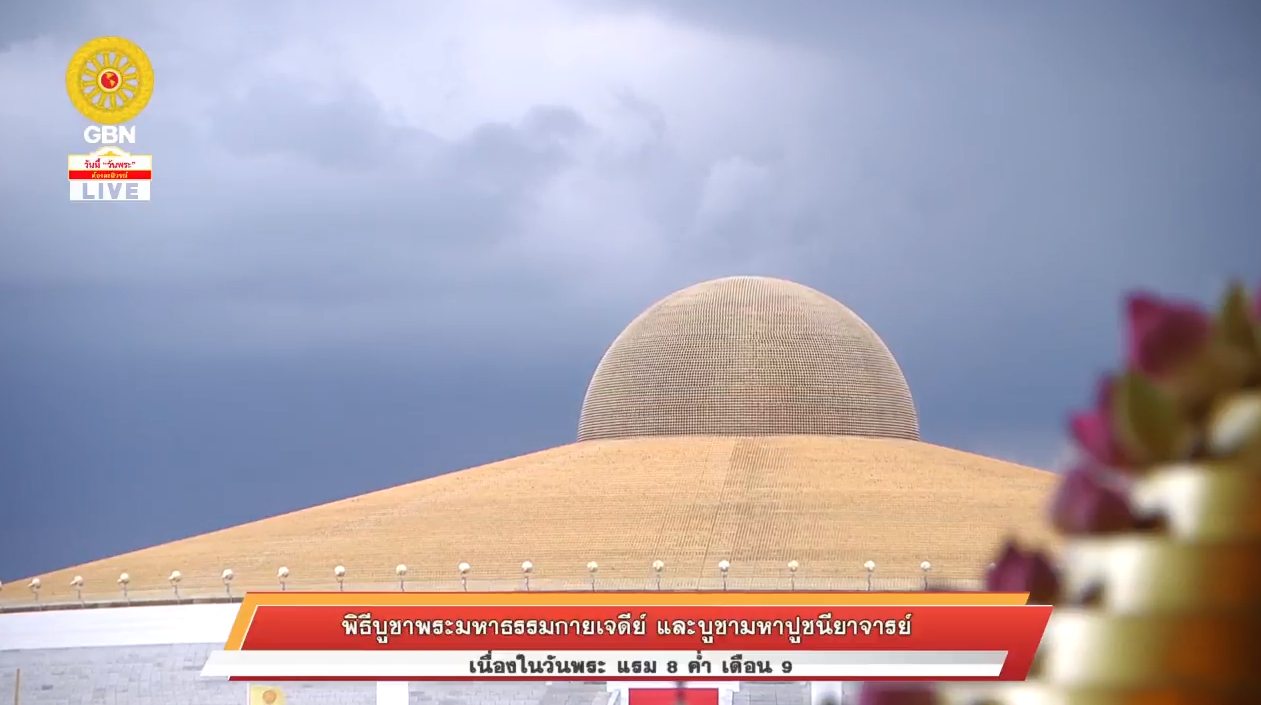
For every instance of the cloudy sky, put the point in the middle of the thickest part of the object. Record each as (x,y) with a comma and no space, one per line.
(391,242)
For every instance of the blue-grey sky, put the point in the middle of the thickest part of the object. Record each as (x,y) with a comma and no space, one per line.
(393,241)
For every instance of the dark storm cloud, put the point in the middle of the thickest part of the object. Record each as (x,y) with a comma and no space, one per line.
(329,221)
(26,21)
(148,451)
(1216,35)
(353,131)
(999,174)
(341,270)
(349,131)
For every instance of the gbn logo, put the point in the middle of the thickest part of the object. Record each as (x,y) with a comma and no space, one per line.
(110,134)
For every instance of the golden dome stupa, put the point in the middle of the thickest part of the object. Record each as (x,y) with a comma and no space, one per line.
(746,419)
(748,356)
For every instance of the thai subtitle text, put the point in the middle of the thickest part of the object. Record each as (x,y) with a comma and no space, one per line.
(99,163)
(626,624)
(520,664)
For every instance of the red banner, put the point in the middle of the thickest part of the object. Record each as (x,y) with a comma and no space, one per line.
(478,636)
(588,628)
(111,175)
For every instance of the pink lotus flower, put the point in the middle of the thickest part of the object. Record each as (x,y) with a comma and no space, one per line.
(1093,429)
(1163,335)
(892,693)
(1087,504)
(1017,570)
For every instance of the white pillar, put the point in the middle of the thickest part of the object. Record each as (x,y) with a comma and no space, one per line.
(392,693)
(833,692)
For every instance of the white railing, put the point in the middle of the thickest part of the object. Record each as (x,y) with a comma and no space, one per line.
(228,586)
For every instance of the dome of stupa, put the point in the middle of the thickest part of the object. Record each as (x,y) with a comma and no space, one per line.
(748,356)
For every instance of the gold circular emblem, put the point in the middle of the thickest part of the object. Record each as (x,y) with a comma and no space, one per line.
(269,697)
(110,80)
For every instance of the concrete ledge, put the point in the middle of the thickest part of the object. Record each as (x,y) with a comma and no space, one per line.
(110,604)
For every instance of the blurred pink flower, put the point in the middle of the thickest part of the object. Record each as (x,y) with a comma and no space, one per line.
(1164,334)
(1017,570)
(1086,504)
(893,693)
(1093,429)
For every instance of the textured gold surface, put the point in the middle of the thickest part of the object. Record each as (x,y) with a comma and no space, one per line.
(830,502)
(748,356)
(1154,574)
(1084,649)
(1203,503)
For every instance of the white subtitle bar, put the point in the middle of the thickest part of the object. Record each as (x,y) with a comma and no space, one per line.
(604,665)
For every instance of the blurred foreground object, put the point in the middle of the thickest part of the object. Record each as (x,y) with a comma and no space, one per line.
(1159,596)
(1158,593)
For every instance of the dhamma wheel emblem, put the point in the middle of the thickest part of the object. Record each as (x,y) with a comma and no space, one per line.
(110,80)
